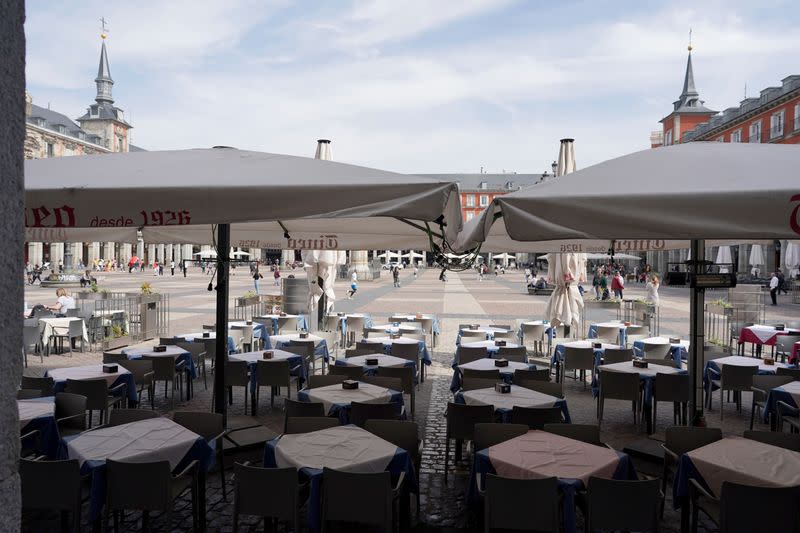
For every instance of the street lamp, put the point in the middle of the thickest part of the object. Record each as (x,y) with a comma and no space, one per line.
(554,166)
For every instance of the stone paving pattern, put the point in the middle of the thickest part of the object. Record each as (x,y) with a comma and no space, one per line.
(462,299)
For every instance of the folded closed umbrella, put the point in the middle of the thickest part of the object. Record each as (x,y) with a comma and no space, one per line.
(724,258)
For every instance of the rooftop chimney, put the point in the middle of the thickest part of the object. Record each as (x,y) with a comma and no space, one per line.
(323,150)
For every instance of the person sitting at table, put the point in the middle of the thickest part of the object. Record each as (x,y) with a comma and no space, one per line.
(87,279)
(541,283)
(63,302)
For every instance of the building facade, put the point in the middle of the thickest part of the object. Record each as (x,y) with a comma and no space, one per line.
(772,117)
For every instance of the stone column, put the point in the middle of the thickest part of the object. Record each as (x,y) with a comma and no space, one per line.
(94,251)
(359,261)
(77,253)
(168,253)
(287,256)
(151,253)
(161,253)
(188,250)
(126,253)
(12,137)
(140,249)
(56,254)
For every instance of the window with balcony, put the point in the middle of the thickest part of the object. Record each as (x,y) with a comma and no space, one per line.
(484,200)
(755,132)
(470,200)
(668,137)
(776,124)
(736,136)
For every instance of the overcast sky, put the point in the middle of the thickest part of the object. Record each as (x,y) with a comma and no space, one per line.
(412,85)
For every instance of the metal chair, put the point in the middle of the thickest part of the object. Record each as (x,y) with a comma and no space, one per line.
(252,483)
(349,372)
(615,505)
(680,440)
(354,352)
(675,388)
(545,387)
(787,441)
(619,386)
(198,354)
(147,487)
(471,335)
(143,378)
(406,376)
(762,384)
(353,324)
(323,380)
(376,504)
(369,347)
(43,384)
(533,335)
(114,358)
(536,417)
(32,341)
(656,351)
(237,336)
(636,333)
(617,355)
(513,353)
(732,378)
(510,503)
(169,371)
(287,324)
(99,397)
(361,412)
(609,334)
(168,341)
(472,383)
(461,420)
(588,433)
(482,374)
(508,336)
(733,511)
(28,394)
(211,427)
(70,413)
(247,342)
(579,360)
(788,415)
(52,486)
(784,344)
(538,374)
(295,409)
(409,352)
(274,374)
(793,372)
(117,417)
(386,382)
(491,433)
(74,331)
(237,375)
(307,424)
(467,354)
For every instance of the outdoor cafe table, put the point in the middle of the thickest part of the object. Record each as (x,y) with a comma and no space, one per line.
(205,335)
(336,400)
(549,331)
(795,353)
(274,318)
(435,328)
(789,394)
(679,351)
(156,439)
(539,454)
(280,341)
(506,372)
(345,448)
(252,359)
(737,460)
(622,330)
(489,331)
(491,347)
(395,328)
(87,372)
(39,414)
(561,350)
(384,361)
(343,321)
(176,352)
(504,403)
(259,329)
(388,341)
(59,326)
(761,335)
(714,367)
(647,376)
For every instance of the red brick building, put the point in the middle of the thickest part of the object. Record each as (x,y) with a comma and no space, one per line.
(773,116)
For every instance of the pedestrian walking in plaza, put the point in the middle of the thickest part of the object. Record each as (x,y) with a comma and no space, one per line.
(416,271)
(480,272)
(155,268)
(774,287)
(396,276)
(596,284)
(172,267)
(256,277)
(277,276)
(781,281)
(651,290)
(617,285)
(353,286)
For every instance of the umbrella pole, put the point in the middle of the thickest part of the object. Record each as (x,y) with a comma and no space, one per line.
(697,333)
(223,265)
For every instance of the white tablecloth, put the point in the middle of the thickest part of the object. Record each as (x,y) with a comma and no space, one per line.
(665,340)
(519,396)
(335,394)
(347,448)
(389,340)
(383,360)
(86,372)
(30,409)
(488,364)
(172,351)
(253,357)
(59,326)
(764,333)
(487,344)
(651,370)
(158,439)
(746,462)
(294,337)
(739,360)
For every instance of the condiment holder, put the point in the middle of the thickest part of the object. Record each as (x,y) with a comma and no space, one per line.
(110,368)
(160,348)
(349,384)
(501,363)
(269,354)
(502,388)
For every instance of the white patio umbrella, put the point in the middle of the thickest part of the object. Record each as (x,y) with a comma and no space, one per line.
(223,186)
(206,254)
(240,253)
(756,259)
(724,258)
(565,305)
(322,265)
(791,258)
(502,256)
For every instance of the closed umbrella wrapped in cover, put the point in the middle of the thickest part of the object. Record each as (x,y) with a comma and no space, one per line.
(724,258)
(756,259)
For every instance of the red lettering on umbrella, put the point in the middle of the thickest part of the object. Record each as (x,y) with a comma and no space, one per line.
(794,219)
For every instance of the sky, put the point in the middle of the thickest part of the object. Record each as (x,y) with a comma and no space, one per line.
(417,86)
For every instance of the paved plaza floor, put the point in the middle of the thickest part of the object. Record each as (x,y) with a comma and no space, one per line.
(462,299)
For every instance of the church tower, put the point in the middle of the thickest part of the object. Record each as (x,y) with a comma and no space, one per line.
(688,110)
(103,118)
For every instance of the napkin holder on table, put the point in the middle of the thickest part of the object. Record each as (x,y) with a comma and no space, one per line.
(340,314)
(501,363)
(626,324)
(371,361)
(640,363)
(269,354)
(674,340)
(303,334)
(769,361)
(110,368)
(160,348)
(394,335)
(282,313)
(780,327)
(499,343)
(474,327)
(206,335)
(597,345)
(502,388)
(249,322)
(349,384)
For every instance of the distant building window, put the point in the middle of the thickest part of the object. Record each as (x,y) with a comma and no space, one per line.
(93,111)
(755,132)
(51,150)
(736,136)
(776,124)
(484,200)
(668,137)
(721,139)
(470,200)
(483,185)
(120,144)
(470,215)
(797,117)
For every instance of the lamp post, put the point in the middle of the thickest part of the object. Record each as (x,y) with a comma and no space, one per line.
(554,166)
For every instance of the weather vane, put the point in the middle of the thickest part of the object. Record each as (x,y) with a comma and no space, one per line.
(103,28)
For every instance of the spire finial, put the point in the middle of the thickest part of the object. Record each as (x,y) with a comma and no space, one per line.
(103,28)
(690,41)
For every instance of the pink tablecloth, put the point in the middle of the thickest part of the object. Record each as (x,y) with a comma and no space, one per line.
(765,335)
(795,352)
(539,454)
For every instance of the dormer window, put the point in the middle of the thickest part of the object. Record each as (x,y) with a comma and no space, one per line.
(93,111)
(81,135)
(483,185)
(60,128)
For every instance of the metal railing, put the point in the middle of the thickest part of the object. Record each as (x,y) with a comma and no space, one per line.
(115,319)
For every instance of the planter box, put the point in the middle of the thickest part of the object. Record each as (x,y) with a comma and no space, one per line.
(149,298)
(112,343)
(250,300)
(719,310)
(603,303)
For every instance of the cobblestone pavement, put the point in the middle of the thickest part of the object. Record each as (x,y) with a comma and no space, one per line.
(463,299)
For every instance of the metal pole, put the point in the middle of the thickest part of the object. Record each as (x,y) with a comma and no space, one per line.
(223,248)
(697,333)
